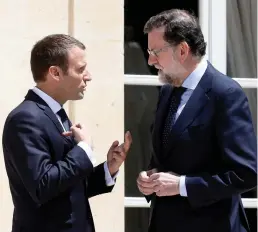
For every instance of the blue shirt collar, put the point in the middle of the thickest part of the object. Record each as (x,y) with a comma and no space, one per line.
(194,78)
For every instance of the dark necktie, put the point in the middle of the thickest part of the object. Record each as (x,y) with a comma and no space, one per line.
(64,119)
(170,120)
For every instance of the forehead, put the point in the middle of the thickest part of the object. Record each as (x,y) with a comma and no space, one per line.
(76,56)
(155,38)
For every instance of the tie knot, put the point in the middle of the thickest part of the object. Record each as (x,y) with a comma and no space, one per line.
(178,91)
(62,114)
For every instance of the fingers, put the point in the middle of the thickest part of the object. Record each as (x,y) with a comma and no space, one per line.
(161,193)
(74,129)
(143,176)
(158,188)
(79,125)
(144,181)
(67,133)
(152,171)
(115,144)
(145,191)
(119,156)
(154,176)
(143,185)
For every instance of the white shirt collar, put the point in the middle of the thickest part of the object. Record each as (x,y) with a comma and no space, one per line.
(53,104)
(194,78)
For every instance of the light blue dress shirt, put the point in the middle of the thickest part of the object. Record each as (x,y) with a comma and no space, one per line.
(190,84)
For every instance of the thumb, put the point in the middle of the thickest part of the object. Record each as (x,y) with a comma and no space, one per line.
(128,141)
(154,176)
(152,171)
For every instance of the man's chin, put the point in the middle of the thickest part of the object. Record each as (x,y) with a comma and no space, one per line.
(163,78)
(80,96)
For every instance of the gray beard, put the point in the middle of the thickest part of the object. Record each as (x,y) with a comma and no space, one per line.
(165,78)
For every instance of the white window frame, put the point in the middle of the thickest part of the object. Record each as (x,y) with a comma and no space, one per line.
(212,16)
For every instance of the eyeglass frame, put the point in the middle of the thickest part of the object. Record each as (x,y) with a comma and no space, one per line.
(155,52)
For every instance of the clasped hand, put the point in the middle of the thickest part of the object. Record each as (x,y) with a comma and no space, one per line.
(160,183)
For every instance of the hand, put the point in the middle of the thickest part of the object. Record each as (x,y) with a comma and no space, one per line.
(143,182)
(80,134)
(117,154)
(165,184)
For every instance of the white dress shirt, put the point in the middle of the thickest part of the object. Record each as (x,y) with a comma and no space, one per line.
(55,107)
(190,83)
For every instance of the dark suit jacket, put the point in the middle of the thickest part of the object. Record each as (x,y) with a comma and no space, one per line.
(213,143)
(51,178)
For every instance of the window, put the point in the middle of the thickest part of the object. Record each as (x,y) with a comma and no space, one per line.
(142,86)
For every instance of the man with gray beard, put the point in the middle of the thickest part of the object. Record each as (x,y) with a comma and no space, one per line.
(204,144)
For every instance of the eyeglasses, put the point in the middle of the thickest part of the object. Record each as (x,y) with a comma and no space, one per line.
(157,51)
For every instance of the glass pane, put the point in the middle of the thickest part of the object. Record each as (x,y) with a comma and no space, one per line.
(135,42)
(136,219)
(252,99)
(252,219)
(242,38)
(140,106)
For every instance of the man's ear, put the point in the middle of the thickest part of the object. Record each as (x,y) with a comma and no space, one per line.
(55,72)
(184,51)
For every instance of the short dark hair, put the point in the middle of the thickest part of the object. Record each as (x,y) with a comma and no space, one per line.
(180,25)
(49,51)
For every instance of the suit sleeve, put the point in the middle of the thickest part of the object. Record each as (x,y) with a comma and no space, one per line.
(238,150)
(96,182)
(29,154)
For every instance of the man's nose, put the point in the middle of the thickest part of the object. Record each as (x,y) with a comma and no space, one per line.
(87,77)
(152,60)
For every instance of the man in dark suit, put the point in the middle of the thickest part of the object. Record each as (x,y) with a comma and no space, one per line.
(204,144)
(48,160)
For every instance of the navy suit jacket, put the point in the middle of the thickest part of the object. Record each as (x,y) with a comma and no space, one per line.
(214,144)
(51,178)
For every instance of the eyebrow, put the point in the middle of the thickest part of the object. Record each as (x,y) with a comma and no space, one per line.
(82,66)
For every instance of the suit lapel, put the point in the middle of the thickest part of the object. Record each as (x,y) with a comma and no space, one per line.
(192,109)
(54,119)
(43,105)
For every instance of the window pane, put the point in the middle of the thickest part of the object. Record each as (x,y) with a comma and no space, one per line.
(140,106)
(136,219)
(252,219)
(242,38)
(252,99)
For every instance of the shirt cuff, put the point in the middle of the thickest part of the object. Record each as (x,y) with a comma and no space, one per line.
(182,187)
(88,151)
(109,180)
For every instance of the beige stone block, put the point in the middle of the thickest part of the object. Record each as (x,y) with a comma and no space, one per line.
(22,24)
(99,25)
